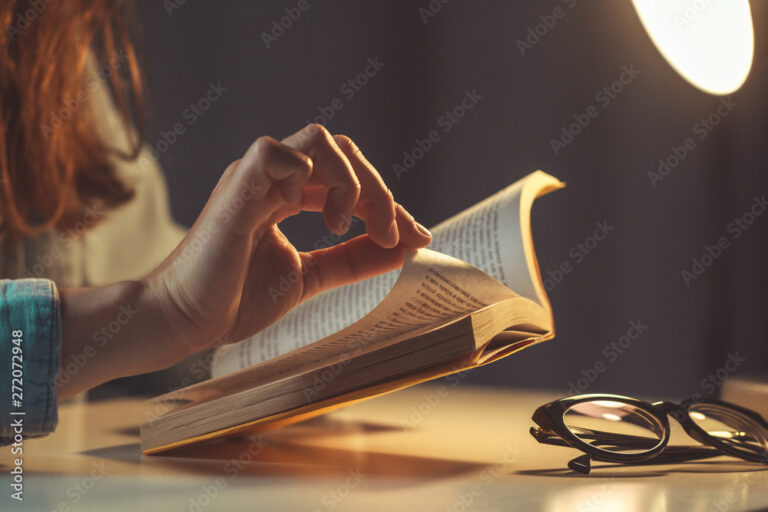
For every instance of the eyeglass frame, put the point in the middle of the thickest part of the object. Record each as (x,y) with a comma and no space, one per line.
(552,430)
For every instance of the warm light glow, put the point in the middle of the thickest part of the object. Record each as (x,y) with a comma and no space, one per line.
(709,42)
(609,404)
(697,415)
(608,496)
(725,434)
(611,417)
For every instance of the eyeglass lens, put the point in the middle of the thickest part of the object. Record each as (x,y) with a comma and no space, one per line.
(730,426)
(614,426)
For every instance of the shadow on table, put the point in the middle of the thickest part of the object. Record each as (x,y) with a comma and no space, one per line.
(287,452)
(650,470)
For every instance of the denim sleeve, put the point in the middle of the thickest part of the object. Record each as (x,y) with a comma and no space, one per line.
(30,347)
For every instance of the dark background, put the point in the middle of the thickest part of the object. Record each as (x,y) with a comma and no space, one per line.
(632,275)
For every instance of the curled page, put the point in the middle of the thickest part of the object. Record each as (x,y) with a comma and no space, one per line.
(493,235)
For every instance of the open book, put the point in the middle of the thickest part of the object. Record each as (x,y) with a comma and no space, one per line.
(475,296)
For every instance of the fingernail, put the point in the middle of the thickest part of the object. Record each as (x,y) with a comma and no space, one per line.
(424,231)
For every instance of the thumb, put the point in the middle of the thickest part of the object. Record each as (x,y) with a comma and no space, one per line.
(345,263)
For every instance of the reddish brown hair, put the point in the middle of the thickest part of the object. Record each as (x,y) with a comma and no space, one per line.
(53,164)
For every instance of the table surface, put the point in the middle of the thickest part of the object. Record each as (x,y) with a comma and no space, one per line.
(432,447)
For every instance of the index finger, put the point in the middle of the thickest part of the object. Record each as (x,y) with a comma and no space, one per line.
(332,169)
(387,222)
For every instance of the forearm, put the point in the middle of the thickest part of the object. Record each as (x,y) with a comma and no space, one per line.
(110,332)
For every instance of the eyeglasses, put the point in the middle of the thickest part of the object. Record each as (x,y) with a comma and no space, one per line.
(613,428)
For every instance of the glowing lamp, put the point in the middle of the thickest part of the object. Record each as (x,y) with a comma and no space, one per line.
(710,43)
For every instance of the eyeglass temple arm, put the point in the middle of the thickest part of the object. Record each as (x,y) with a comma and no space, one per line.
(670,455)
(630,441)
(602,438)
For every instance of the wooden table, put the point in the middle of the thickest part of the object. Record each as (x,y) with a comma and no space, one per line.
(429,448)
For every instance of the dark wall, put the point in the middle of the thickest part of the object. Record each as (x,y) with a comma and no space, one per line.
(631,277)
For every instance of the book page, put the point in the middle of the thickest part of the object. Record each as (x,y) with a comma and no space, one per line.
(431,290)
(493,235)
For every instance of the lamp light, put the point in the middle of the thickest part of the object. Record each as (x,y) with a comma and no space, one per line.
(710,43)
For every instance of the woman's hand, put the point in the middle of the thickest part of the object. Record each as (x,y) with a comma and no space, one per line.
(228,278)
(235,273)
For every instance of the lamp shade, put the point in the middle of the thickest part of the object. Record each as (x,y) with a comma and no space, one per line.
(710,43)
